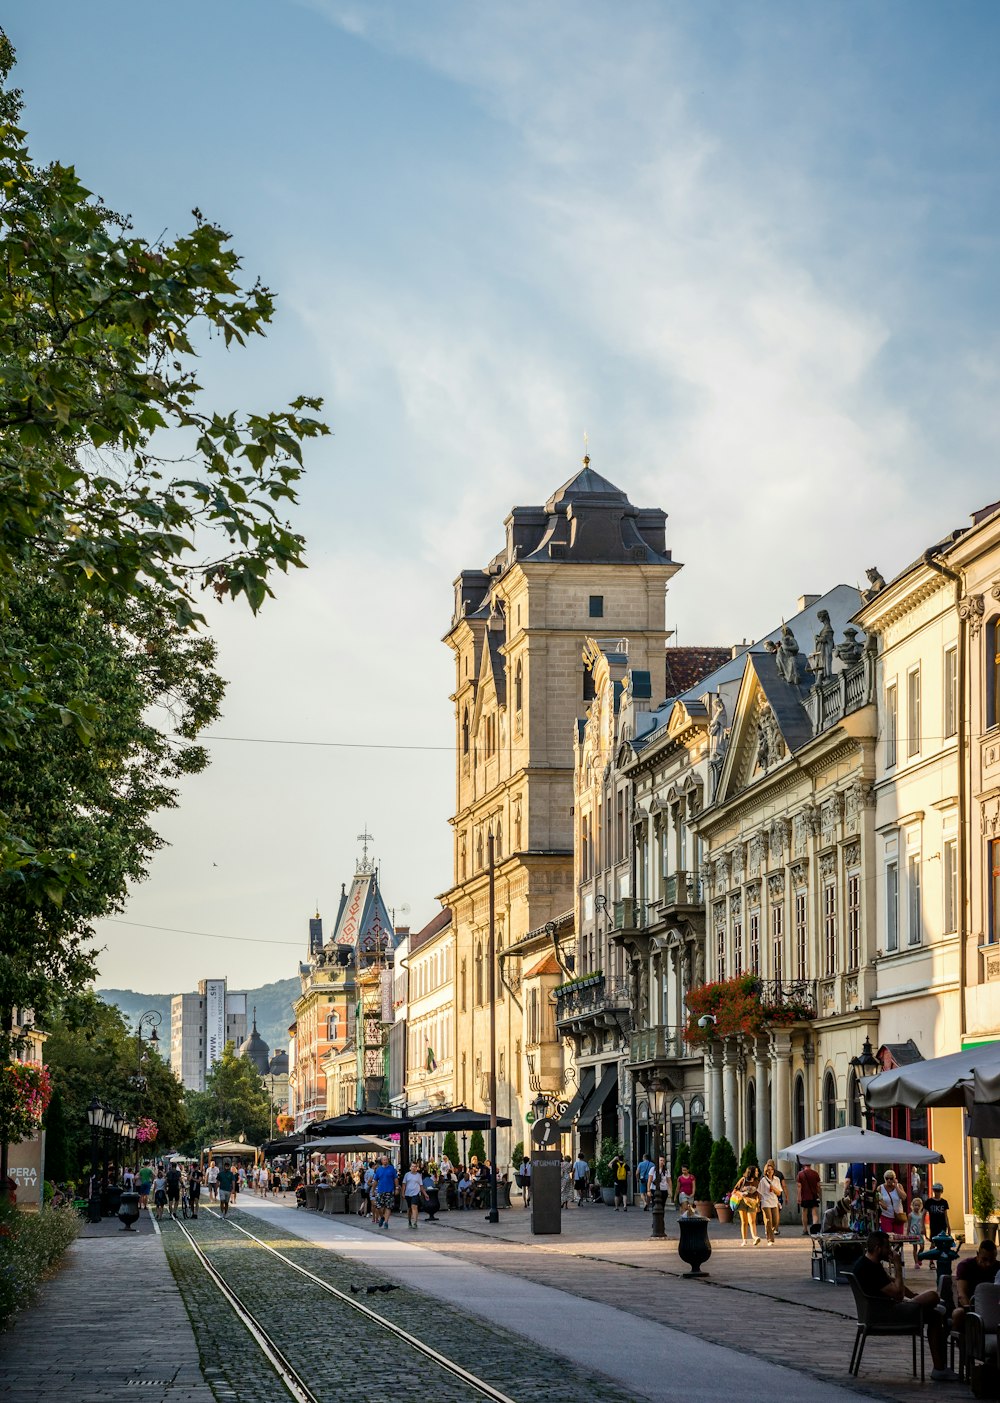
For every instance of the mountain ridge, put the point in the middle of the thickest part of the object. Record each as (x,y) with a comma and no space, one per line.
(273,1001)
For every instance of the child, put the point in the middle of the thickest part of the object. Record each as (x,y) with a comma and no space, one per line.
(915,1227)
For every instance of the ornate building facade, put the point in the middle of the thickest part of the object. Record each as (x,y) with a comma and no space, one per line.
(517,634)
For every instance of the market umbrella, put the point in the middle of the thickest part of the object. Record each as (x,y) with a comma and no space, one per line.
(850,1144)
(984,1113)
(361,1123)
(346,1146)
(458,1118)
(937,1081)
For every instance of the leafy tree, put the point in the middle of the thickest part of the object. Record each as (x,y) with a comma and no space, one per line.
(477,1149)
(117,483)
(91,1051)
(451,1147)
(234,1102)
(749,1157)
(701,1150)
(723,1173)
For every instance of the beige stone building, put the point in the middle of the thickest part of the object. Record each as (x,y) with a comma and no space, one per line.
(585,561)
(789,863)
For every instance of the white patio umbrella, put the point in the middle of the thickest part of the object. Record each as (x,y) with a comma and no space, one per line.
(851,1145)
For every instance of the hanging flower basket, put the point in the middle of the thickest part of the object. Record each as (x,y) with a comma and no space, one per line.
(25,1092)
(146,1131)
(739,1010)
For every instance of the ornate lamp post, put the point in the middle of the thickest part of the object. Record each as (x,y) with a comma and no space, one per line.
(95,1114)
(657,1103)
(865,1064)
(151,1019)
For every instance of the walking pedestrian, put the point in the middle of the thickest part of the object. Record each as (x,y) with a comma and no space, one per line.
(145,1183)
(770,1200)
(565,1181)
(413,1192)
(618,1169)
(686,1186)
(194,1189)
(891,1204)
(226,1184)
(581,1179)
(385,1188)
(212,1179)
(159,1193)
(173,1181)
(807,1181)
(642,1173)
(525,1172)
(660,1178)
(746,1195)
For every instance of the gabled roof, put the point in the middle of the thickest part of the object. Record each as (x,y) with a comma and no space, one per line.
(548,964)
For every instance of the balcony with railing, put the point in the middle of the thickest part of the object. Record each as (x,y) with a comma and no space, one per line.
(792,997)
(836,697)
(650,1046)
(595,1000)
(681,889)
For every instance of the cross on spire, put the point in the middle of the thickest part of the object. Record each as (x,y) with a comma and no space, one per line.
(365,838)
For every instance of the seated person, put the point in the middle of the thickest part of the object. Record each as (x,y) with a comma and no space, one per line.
(870,1273)
(970,1273)
(837,1218)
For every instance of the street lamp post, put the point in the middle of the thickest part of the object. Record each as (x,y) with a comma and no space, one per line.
(493,1216)
(95,1113)
(151,1019)
(657,1101)
(865,1064)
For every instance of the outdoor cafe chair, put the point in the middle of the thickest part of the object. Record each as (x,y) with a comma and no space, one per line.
(880,1318)
(982,1332)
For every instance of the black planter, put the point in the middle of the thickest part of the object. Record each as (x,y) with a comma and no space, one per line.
(128,1210)
(114,1198)
(693,1246)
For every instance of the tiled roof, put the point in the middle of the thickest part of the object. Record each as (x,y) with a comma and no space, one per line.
(687,666)
(548,964)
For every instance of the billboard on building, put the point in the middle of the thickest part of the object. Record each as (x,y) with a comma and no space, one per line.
(215,1020)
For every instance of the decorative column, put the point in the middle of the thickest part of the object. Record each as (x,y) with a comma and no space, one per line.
(762,1130)
(730,1064)
(782,1091)
(715,1108)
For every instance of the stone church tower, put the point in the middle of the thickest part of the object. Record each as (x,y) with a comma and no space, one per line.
(588,563)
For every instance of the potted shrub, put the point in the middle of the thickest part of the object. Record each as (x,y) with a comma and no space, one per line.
(516,1159)
(723,1175)
(602,1170)
(983,1203)
(701,1150)
(748,1158)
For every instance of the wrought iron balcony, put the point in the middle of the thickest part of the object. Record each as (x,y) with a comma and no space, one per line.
(594,1000)
(681,889)
(652,1045)
(791,995)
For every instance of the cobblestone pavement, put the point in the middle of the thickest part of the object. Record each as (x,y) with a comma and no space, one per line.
(337,1350)
(109,1325)
(758,1300)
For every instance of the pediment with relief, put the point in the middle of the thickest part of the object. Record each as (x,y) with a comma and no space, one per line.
(757,747)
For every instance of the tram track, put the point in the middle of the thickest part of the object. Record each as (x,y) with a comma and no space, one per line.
(311,1364)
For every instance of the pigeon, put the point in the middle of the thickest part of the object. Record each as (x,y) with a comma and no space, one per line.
(385,1286)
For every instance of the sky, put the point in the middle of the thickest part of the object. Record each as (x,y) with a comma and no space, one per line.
(748,249)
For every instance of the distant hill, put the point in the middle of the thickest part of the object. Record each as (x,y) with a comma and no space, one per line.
(274,1009)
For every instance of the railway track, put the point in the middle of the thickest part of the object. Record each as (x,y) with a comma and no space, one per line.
(292,1377)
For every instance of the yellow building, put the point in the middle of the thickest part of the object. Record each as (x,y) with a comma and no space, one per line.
(587,561)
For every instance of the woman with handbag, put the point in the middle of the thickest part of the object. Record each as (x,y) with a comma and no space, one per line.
(891,1205)
(770,1200)
(746,1200)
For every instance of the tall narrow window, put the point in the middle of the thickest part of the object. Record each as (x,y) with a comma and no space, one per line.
(517,1067)
(465,731)
(518,685)
(720,952)
(950,691)
(853,920)
(914,921)
(755,943)
(830,928)
(994,868)
(891,724)
(620,816)
(913,711)
(777,940)
(737,949)
(951,884)
(992,661)
(801,935)
(479,973)
(892,906)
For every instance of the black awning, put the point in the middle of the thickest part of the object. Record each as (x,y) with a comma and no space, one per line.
(587,1079)
(597,1098)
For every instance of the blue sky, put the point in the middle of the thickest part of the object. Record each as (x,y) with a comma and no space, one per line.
(750,248)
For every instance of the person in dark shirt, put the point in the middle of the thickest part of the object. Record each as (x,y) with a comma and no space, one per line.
(970,1273)
(173,1190)
(871,1275)
(937,1212)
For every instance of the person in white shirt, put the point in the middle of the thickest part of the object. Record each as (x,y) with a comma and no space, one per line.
(212,1179)
(770,1190)
(413,1192)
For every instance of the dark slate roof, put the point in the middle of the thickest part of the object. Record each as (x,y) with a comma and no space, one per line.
(433,927)
(256,1049)
(687,666)
(279,1064)
(904,1054)
(586,485)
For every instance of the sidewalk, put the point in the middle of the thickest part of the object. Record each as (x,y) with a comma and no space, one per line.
(109,1325)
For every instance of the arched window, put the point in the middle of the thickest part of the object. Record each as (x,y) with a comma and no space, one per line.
(854,1100)
(465,731)
(697,1112)
(829,1102)
(751,1125)
(799,1109)
(676,1127)
(479,853)
(479,972)
(518,686)
(332,1025)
